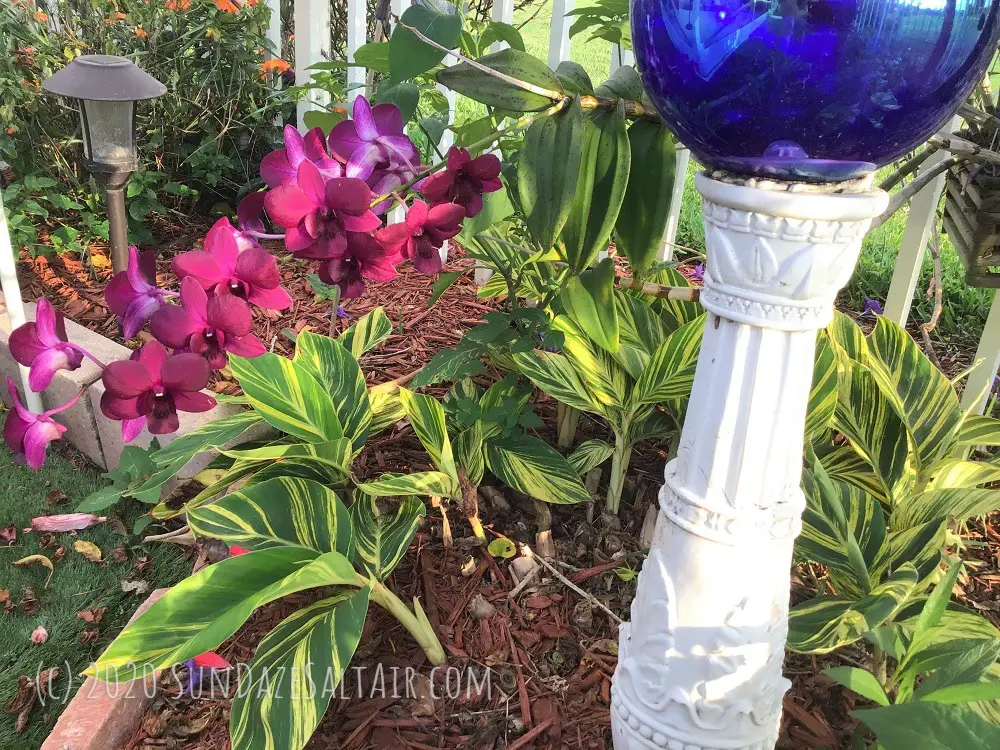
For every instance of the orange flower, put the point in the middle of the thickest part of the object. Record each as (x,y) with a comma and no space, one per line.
(275,65)
(41,16)
(141,33)
(252,3)
(227,6)
(178,5)
(120,16)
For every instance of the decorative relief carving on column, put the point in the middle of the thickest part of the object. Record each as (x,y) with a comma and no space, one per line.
(713,682)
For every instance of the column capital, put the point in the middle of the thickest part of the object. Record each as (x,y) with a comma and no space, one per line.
(778,253)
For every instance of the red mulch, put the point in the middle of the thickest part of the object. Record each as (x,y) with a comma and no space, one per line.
(549,652)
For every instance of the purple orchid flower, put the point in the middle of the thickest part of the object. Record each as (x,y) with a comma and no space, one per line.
(28,434)
(375,148)
(463,181)
(317,216)
(421,236)
(365,258)
(281,167)
(148,389)
(226,268)
(872,307)
(208,327)
(42,346)
(132,294)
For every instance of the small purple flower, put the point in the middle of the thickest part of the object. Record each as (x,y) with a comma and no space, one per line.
(872,307)
(281,167)
(28,434)
(132,294)
(148,389)
(318,216)
(42,346)
(225,267)
(207,327)
(342,313)
(699,272)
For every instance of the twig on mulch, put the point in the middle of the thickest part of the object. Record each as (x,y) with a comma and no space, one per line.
(589,597)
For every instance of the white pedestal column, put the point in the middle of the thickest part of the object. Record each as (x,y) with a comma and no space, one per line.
(700,663)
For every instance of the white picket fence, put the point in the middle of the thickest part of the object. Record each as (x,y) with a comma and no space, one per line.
(313,44)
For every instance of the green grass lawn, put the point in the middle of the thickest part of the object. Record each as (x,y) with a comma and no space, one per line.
(77,585)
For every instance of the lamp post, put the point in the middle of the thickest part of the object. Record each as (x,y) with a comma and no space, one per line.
(106,89)
(791,106)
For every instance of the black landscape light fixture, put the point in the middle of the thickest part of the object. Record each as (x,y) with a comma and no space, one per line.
(106,88)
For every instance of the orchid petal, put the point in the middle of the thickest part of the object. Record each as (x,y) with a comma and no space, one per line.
(24,344)
(46,323)
(184,372)
(200,264)
(221,243)
(132,427)
(139,311)
(276,169)
(249,210)
(258,268)
(388,119)
(294,146)
(37,439)
(367,222)
(344,140)
(126,379)
(245,346)
(172,326)
(311,183)
(363,120)
(193,401)
(270,299)
(137,279)
(164,424)
(229,314)
(287,205)
(45,366)
(152,356)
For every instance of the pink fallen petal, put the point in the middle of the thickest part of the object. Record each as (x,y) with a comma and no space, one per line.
(66,522)
(39,635)
(211,660)
(236,550)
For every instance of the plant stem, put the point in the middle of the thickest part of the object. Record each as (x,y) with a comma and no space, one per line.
(880,667)
(470,506)
(420,630)
(569,418)
(619,465)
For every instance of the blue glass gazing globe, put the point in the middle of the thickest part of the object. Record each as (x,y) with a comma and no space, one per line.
(819,90)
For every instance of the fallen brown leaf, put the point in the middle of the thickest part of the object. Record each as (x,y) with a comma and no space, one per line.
(28,690)
(92,616)
(135,587)
(119,555)
(89,550)
(29,602)
(59,554)
(56,496)
(37,560)
(90,634)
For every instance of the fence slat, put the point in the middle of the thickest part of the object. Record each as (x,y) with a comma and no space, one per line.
(559,34)
(503,11)
(620,57)
(274,26)
(357,35)
(312,45)
(676,203)
(980,380)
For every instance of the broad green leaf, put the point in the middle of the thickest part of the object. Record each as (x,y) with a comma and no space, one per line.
(381,539)
(930,726)
(919,546)
(574,78)
(239,470)
(590,454)
(442,284)
(600,188)
(589,299)
(338,372)
(920,393)
(287,395)
(979,430)
(374,55)
(496,208)
(368,332)
(959,472)
(861,681)
(967,668)
(596,367)
(297,667)
(495,92)
(408,55)
(846,464)
(547,172)
(624,83)
(848,335)
(865,415)
(937,603)
(303,467)
(533,467)
(670,372)
(337,452)
(387,408)
(973,692)
(823,395)
(643,215)
(277,513)
(826,623)
(498,31)
(202,611)
(427,418)
(640,332)
(469,452)
(554,375)
(842,528)
(404,94)
(502,547)
(424,483)
(935,505)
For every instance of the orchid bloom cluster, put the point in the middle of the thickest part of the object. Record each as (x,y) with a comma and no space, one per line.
(326,194)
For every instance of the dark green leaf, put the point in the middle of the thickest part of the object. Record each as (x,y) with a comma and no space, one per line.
(574,78)
(403,94)
(408,55)
(495,92)
(930,726)
(589,299)
(442,284)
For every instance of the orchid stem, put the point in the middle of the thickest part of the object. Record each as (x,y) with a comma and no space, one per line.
(88,355)
(265,235)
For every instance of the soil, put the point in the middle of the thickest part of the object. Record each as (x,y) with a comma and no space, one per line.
(549,652)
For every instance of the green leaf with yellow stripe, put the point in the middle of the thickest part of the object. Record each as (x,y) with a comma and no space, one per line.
(280,512)
(386,408)
(826,623)
(427,419)
(287,687)
(670,372)
(640,332)
(288,396)
(594,366)
(846,464)
(534,467)
(323,472)
(920,393)
(823,395)
(370,330)
(381,539)
(959,503)
(916,546)
(334,451)
(590,454)
(979,430)
(338,373)
(424,483)
(202,611)
(239,470)
(556,376)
